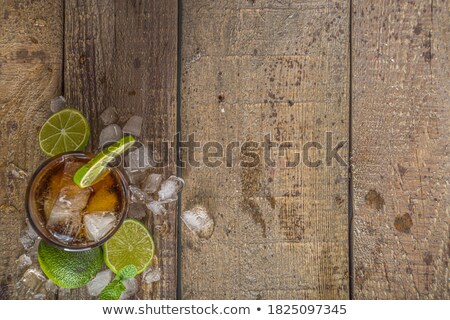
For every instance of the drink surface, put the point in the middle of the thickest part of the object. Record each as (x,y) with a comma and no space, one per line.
(74,215)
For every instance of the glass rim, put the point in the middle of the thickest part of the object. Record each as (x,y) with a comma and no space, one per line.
(122,179)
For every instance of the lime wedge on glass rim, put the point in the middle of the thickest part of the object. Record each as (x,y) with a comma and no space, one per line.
(92,171)
(66,130)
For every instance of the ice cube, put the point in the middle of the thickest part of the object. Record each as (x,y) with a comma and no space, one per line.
(54,186)
(139,159)
(109,134)
(152,274)
(28,237)
(152,183)
(131,288)
(96,285)
(98,224)
(198,221)
(33,278)
(64,220)
(24,261)
(33,251)
(15,172)
(136,177)
(133,126)
(136,194)
(32,284)
(170,188)
(156,207)
(57,104)
(136,211)
(109,116)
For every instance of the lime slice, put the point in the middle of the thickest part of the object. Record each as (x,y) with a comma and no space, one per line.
(95,169)
(69,269)
(132,244)
(66,130)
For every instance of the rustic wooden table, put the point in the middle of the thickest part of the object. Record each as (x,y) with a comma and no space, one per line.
(374,74)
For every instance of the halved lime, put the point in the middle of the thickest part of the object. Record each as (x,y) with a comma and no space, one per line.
(132,244)
(66,130)
(92,171)
(69,269)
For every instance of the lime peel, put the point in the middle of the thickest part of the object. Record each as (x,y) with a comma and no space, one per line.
(69,269)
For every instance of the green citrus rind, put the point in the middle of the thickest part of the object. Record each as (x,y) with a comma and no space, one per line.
(69,269)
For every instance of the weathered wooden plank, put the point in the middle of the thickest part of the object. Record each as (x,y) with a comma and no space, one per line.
(30,76)
(124,54)
(401,163)
(252,68)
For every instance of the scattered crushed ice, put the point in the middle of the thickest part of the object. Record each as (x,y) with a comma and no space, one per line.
(132,288)
(98,224)
(152,274)
(111,133)
(136,177)
(137,195)
(170,188)
(33,251)
(133,126)
(199,221)
(152,183)
(33,278)
(15,172)
(101,280)
(32,284)
(156,208)
(28,237)
(138,159)
(57,104)
(109,116)
(136,211)
(24,261)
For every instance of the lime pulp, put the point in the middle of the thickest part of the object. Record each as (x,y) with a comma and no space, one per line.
(132,244)
(66,130)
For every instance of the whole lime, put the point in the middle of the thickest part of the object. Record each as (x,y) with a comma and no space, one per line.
(69,269)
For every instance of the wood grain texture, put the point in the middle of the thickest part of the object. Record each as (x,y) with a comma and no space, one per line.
(124,54)
(252,68)
(30,76)
(401,98)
